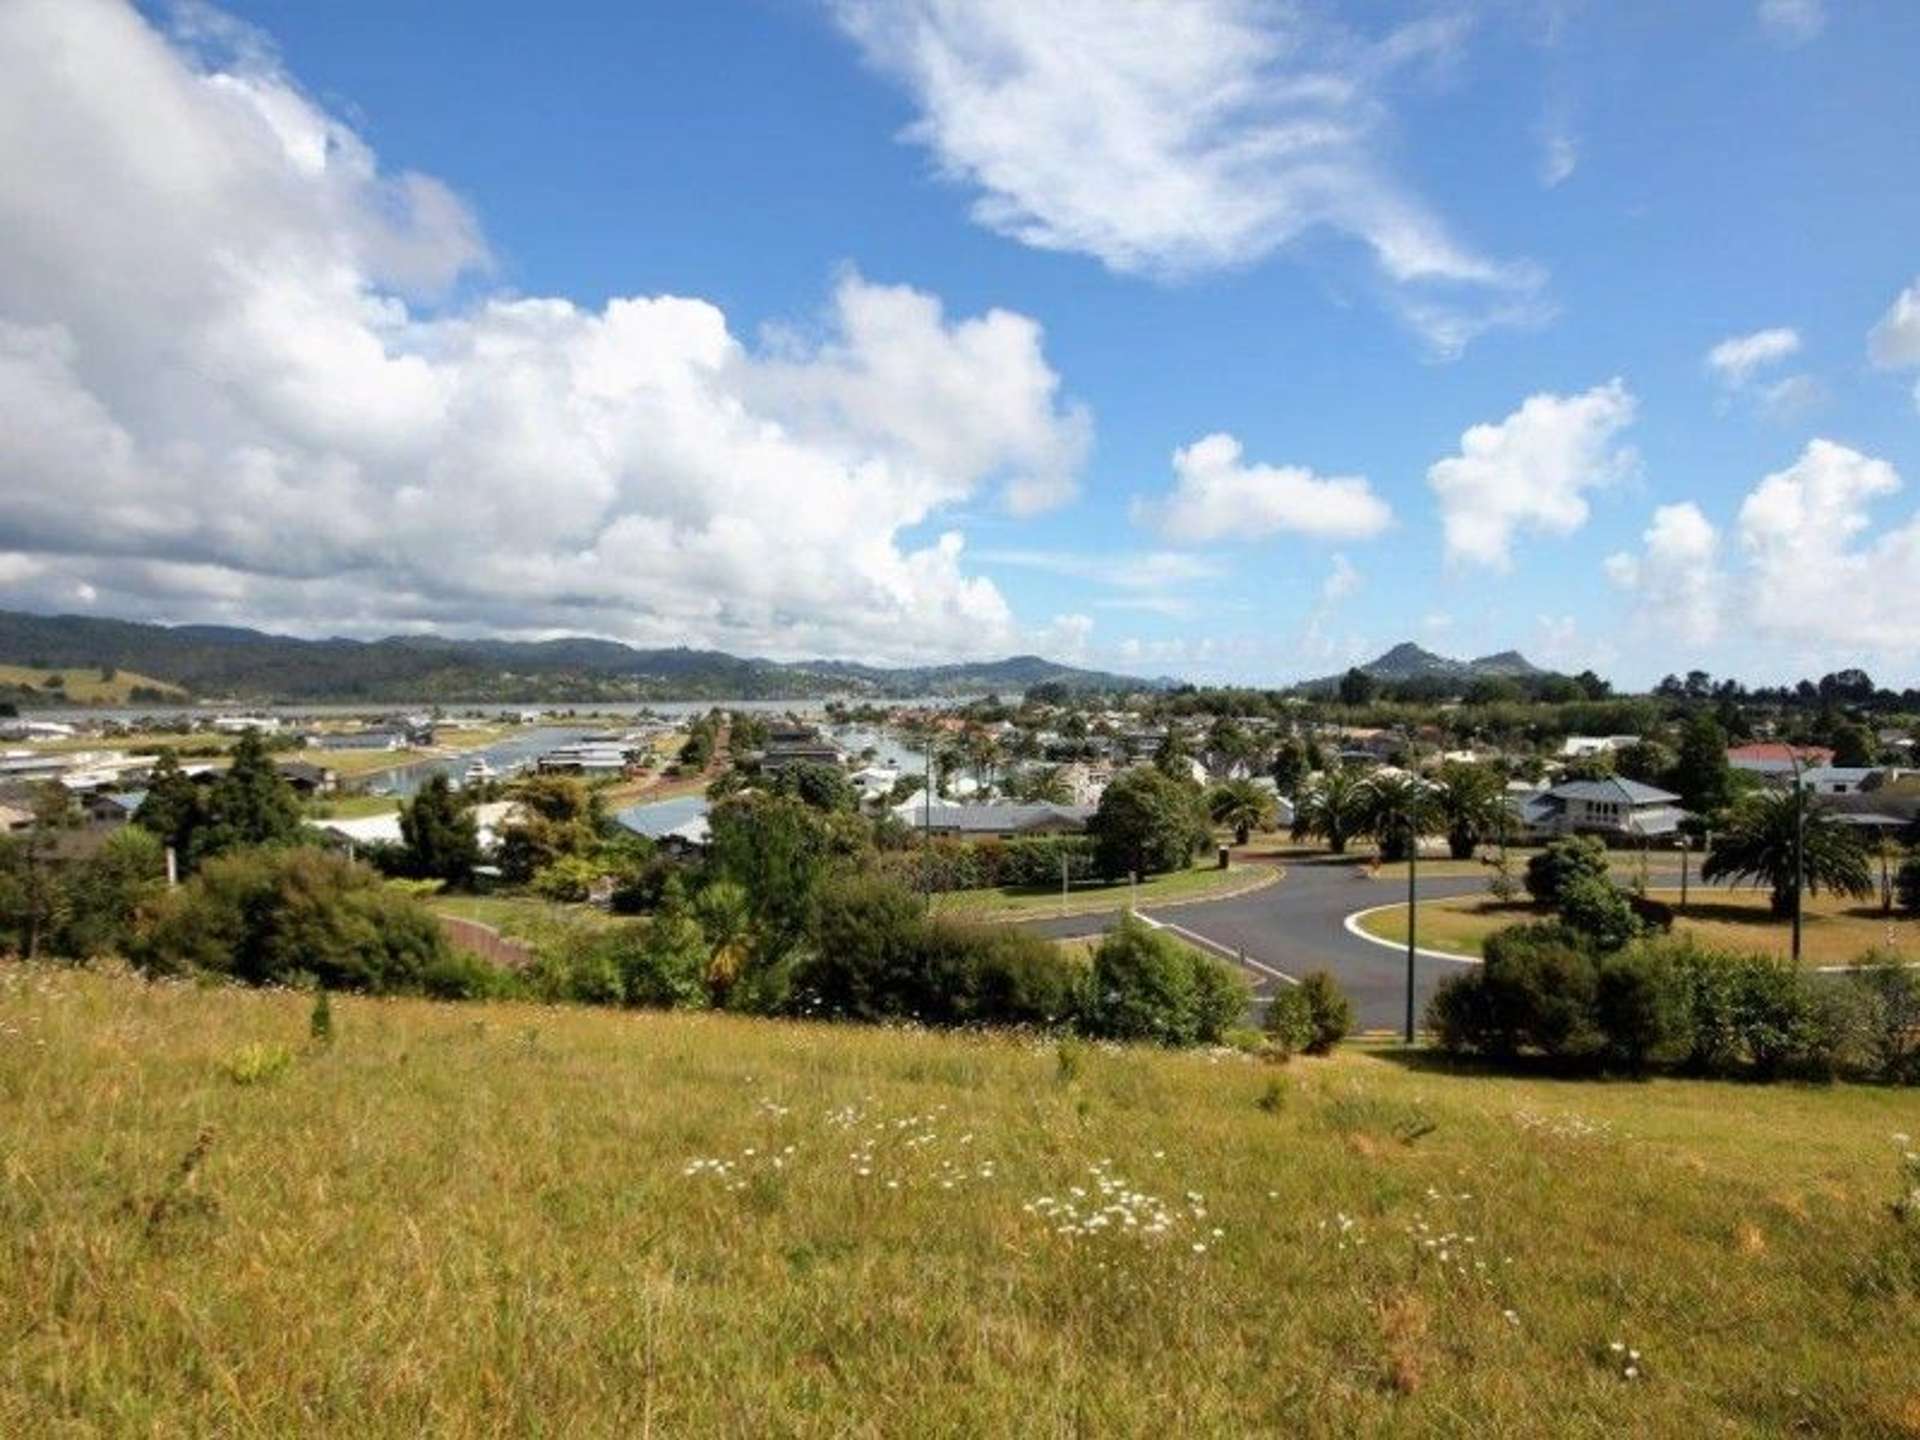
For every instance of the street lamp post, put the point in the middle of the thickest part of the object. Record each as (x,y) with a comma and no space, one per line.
(1799,846)
(1413,911)
(1685,845)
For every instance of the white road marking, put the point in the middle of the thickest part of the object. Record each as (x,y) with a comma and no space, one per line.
(1237,956)
(1353,928)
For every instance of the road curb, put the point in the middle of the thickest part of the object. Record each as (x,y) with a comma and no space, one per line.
(1352,926)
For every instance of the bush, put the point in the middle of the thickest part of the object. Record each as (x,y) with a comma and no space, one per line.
(268,916)
(866,959)
(663,966)
(1540,981)
(1147,823)
(1893,1017)
(1594,906)
(1562,862)
(1148,986)
(1329,1012)
(462,975)
(1641,1008)
(257,1063)
(1021,979)
(568,879)
(1289,1022)
(1906,885)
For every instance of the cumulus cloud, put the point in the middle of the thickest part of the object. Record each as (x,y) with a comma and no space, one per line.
(1531,472)
(1735,359)
(1793,22)
(1173,139)
(1217,496)
(1675,580)
(233,385)
(1810,572)
(1894,342)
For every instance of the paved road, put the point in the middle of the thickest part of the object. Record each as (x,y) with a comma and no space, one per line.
(1298,925)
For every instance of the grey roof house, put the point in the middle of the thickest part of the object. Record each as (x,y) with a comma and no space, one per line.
(1614,807)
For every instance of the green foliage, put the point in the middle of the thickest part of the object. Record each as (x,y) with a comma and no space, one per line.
(1641,1008)
(439,835)
(578,964)
(822,787)
(667,968)
(320,1018)
(1594,905)
(1243,805)
(1147,822)
(1906,885)
(257,1063)
(1289,1021)
(1563,861)
(1471,803)
(1893,1020)
(1757,844)
(1329,1011)
(1336,808)
(249,805)
(461,975)
(567,879)
(269,916)
(109,893)
(1399,809)
(1147,986)
(1031,862)
(558,817)
(1701,775)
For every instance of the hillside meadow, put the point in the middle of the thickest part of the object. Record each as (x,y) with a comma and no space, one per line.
(476,1220)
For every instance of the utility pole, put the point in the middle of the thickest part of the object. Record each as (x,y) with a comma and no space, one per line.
(1413,911)
(1799,847)
(926,810)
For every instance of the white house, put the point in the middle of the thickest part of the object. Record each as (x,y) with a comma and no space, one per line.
(1623,809)
(1579,747)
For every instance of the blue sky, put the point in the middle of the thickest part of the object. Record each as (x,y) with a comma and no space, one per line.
(958,282)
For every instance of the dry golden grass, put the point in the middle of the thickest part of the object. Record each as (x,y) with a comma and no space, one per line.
(84,686)
(475,1221)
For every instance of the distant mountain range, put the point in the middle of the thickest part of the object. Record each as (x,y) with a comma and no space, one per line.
(227,662)
(1408,661)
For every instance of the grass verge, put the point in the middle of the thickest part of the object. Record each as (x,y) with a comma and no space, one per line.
(508,1219)
(1039,903)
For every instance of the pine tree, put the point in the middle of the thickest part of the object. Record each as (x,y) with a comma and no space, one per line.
(442,841)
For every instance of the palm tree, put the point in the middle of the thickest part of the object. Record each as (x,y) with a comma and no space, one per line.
(1046,786)
(1757,844)
(1243,805)
(1335,807)
(1400,808)
(1472,806)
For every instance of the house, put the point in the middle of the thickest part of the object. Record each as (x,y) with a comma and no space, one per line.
(1838,779)
(307,778)
(584,758)
(798,745)
(242,724)
(1579,747)
(1776,757)
(993,821)
(1612,808)
(115,807)
(373,738)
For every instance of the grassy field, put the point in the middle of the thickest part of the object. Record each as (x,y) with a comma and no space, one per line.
(84,685)
(1203,882)
(353,807)
(1833,931)
(472,1221)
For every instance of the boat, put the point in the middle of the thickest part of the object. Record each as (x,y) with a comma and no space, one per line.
(478,773)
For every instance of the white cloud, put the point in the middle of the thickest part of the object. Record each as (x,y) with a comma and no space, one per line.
(1123,569)
(1530,472)
(1793,22)
(1169,139)
(1218,497)
(1341,582)
(1735,359)
(1559,154)
(210,306)
(1894,342)
(1675,580)
(1814,572)
(1811,577)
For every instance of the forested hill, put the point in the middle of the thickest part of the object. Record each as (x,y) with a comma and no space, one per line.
(227,662)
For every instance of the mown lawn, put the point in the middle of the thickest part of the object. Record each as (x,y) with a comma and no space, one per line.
(523,917)
(1834,931)
(1032,902)
(473,1221)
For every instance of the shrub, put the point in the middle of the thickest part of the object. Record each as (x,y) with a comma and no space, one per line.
(1147,823)
(664,965)
(1906,885)
(1540,983)
(1562,862)
(1773,1014)
(570,878)
(1289,1022)
(578,964)
(1460,1017)
(462,975)
(1220,996)
(867,954)
(1893,1017)
(1329,1011)
(268,916)
(1142,987)
(320,1020)
(257,1063)
(1641,1008)
(1594,906)
(1021,979)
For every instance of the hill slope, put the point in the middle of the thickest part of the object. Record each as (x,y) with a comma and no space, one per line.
(228,661)
(1408,661)
(512,1220)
